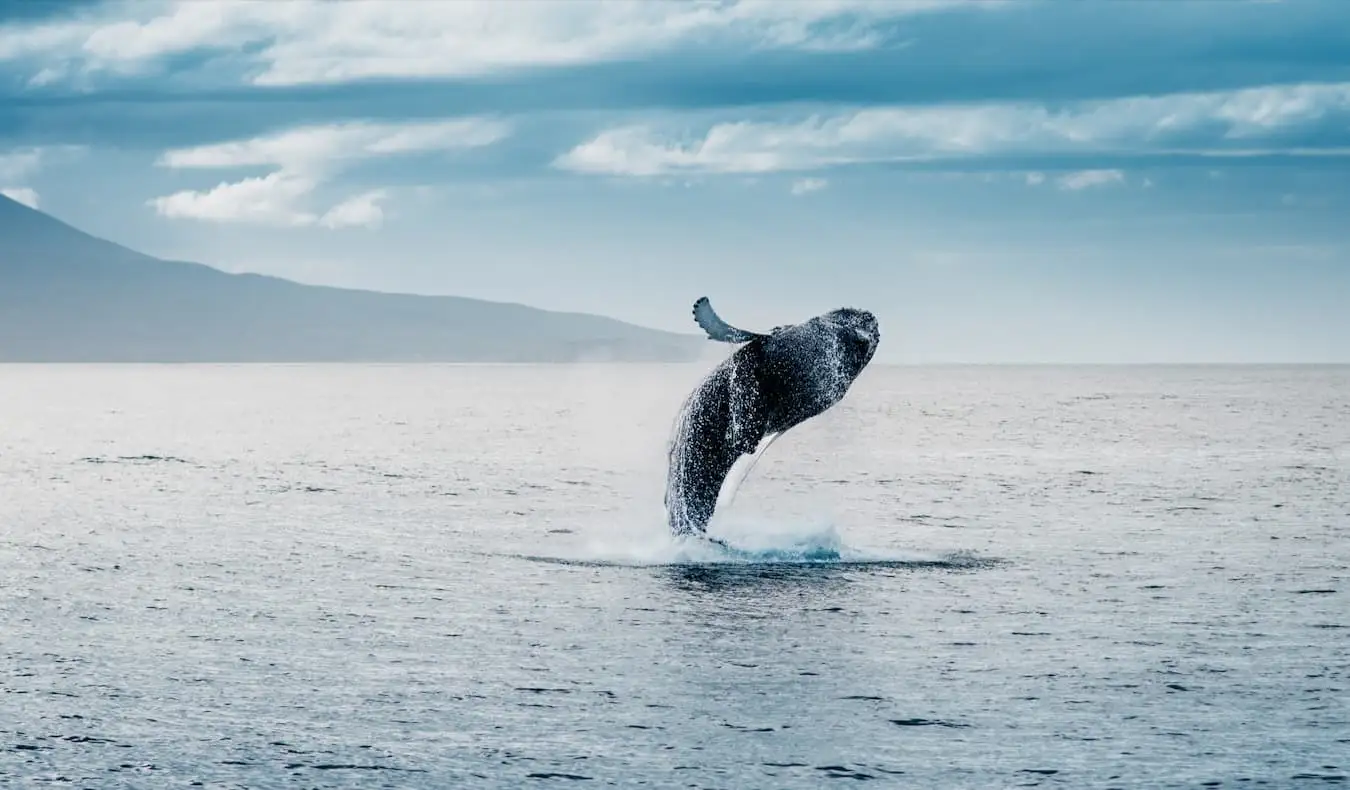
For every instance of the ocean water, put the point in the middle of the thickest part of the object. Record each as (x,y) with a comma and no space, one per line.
(438,576)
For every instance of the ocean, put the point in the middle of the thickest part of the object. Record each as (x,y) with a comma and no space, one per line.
(441,576)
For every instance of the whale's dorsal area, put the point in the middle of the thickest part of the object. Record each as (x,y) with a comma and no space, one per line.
(717,329)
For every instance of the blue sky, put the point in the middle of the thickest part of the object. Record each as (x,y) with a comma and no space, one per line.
(1000,182)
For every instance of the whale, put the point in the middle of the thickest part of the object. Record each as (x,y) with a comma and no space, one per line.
(772,382)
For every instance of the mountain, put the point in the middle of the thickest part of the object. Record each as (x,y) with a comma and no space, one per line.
(66,296)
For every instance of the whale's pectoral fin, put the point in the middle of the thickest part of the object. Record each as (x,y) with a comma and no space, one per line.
(716,328)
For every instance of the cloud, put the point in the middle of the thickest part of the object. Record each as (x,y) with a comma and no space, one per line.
(269,200)
(24,195)
(1084,179)
(318,42)
(805,186)
(362,211)
(1079,179)
(1220,122)
(321,147)
(18,165)
(303,158)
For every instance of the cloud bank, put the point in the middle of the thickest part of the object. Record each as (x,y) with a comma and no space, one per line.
(252,105)
(306,42)
(1214,123)
(302,159)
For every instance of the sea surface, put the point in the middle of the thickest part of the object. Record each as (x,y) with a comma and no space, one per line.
(440,576)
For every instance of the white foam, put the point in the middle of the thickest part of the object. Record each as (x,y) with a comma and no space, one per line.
(744,541)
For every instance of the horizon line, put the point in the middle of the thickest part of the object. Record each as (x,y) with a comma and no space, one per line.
(621,363)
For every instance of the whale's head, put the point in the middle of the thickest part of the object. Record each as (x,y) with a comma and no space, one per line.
(858,336)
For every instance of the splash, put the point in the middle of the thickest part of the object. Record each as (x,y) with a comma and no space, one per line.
(743,543)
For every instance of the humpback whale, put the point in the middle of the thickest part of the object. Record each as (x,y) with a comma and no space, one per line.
(771,383)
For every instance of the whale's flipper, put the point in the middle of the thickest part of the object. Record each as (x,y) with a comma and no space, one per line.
(741,470)
(716,328)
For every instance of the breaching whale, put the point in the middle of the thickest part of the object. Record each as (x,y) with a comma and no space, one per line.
(771,383)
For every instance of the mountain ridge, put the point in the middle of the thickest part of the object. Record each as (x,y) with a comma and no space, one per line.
(69,296)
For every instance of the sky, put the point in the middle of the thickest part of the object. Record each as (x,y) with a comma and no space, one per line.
(1000,182)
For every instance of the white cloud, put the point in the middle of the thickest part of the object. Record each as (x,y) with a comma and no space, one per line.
(1084,179)
(324,147)
(24,195)
(315,41)
(269,200)
(805,186)
(303,158)
(1035,179)
(18,165)
(1188,122)
(22,41)
(362,211)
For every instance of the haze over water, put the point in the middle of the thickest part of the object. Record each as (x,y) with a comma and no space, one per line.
(458,576)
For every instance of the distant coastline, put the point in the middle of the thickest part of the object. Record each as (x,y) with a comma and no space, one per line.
(66,296)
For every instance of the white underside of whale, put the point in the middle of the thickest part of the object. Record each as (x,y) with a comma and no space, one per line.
(740,470)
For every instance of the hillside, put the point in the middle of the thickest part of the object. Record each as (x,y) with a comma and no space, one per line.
(66,296)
